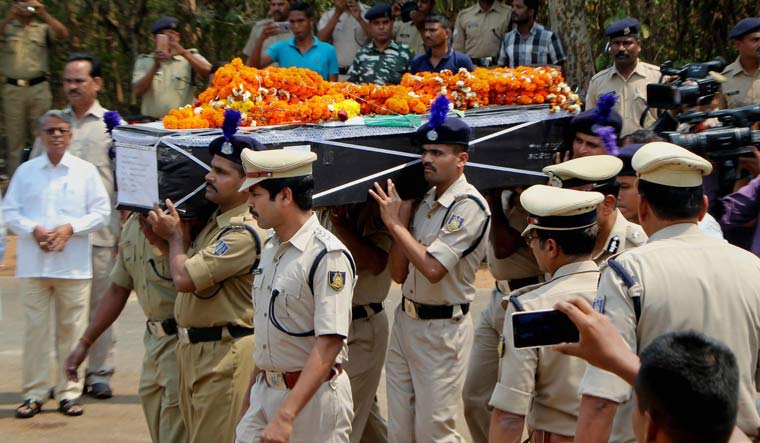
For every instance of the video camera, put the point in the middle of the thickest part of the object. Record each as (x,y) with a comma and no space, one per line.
(734,138)
(696,84)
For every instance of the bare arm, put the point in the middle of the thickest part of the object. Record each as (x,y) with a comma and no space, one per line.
(365,253)
(199,65)
(505,239)
(325,34)
(505,427)
(59,29)
(257,59)
(142,86)
(318,366)
(595,419)
(404,243)
(108,310)
(168,227)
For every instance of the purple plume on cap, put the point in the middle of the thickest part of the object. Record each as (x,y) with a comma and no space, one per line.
(112,119)
(439,111)
(232,119)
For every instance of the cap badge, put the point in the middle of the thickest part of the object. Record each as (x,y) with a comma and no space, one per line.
(227,148)
(432,135)
(627,30)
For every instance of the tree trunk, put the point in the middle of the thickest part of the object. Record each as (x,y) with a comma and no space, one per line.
(569,20)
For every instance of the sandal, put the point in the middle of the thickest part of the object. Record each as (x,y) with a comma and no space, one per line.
(71,408)
(28,409)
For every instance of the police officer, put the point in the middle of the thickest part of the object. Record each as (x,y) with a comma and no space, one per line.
(681,279)
(382,61)
(540,383)
(584,138)
(435,258)
(627,77)
(298,390)
(478,30)
(409,33)
(742,85)
(165,79)
(144,268)
(212,275)
(361,229)
(513,266)
(24,44)
(599,173)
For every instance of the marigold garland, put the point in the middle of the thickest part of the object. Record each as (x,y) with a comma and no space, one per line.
(275,96)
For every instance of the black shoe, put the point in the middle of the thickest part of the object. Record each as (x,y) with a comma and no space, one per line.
(101,391)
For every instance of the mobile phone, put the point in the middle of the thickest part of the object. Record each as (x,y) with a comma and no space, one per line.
(532,329)
(162,42)
(284,27)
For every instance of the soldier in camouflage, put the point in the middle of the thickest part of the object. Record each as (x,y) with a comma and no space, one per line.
(382,61)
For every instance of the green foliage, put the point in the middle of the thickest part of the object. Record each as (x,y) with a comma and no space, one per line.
(118,30)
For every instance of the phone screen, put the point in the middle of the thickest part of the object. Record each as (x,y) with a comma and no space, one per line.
(542,328)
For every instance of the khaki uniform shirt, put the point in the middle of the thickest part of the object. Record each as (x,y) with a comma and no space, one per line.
(220,268)
(446,240)
(686,280)
(478,33)
(256,31)
(91,142)
(539,382)
(348,35)
(741,88)
(372,288)
(284,270)
(24,52)
(172,86)
(632,93)
(142,268)
(624,235)
(521,264)
(408,34)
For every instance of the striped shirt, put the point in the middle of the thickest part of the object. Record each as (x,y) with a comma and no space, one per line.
(540,47)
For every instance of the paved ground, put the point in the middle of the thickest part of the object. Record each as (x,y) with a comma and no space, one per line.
(117,420)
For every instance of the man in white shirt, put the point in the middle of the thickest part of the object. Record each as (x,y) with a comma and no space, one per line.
(344,27)
(53,203)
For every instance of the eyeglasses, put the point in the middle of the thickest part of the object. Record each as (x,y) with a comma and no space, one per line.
(53,131)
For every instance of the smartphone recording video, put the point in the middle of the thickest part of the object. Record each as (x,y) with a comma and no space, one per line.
(534,329)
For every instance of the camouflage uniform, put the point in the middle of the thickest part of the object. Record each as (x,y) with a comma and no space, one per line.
(380,67)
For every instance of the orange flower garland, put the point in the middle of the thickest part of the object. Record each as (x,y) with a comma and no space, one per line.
(275,96)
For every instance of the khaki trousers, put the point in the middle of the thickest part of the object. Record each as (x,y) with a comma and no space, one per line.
(213,378)
(367,346)
(159,383)
(68,299)
(425,371)
(100,366)
(22,106)
(483,369)
(326,418)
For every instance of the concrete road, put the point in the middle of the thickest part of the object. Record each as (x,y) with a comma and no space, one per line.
(120,419)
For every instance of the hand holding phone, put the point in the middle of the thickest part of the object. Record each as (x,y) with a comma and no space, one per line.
(532,329)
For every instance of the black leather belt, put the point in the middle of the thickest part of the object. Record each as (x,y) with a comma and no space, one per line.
(163,327)
(26,83)
(214,333)
(343,71)
(430,312)
(517,283)
(358,312)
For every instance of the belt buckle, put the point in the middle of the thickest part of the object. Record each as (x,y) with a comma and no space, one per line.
(276,380)
(156,328)
(22,83)
(410,308)
(182,334)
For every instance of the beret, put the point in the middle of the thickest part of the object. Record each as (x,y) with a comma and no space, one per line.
(626,154)
(378,11)
(163,23)
(623,28)
(453,131)
(744,27)
(585,122)
(232,150)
